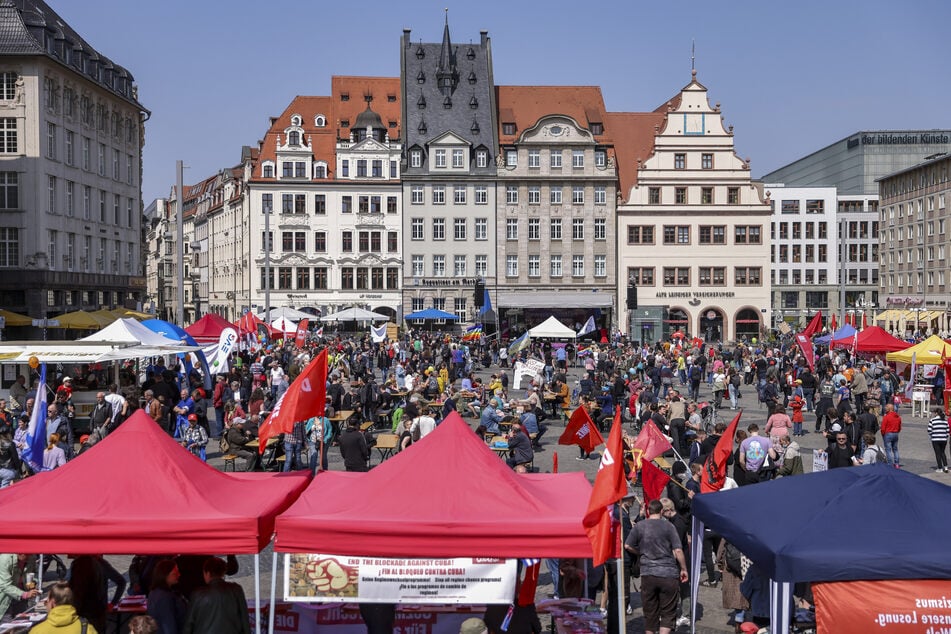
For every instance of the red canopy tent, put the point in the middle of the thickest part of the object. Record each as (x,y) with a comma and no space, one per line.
(871,339)
(138,491)
(208,329)
(448,495)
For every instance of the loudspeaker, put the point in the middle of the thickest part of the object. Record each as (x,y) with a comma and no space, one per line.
(631,297)
(479,294)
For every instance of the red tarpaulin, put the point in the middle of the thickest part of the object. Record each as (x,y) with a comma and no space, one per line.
(872,339)
(138,491)
(208,328)
(448,495)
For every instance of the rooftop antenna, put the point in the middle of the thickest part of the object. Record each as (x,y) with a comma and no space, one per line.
(693,57)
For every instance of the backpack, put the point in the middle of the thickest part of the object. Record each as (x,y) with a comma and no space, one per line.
(223,445)
(731,555)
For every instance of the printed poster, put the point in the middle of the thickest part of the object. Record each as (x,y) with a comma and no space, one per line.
(899,607)
(820,460)
(336,578)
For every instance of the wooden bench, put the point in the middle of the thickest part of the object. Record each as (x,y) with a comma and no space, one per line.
(385,444)
(663,463)
(229,460)
(366,425)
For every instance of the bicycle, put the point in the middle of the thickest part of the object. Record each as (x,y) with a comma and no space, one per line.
(709,418)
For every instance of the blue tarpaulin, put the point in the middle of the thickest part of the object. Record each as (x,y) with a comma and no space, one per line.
(841,333)
(869,522)
(431,313)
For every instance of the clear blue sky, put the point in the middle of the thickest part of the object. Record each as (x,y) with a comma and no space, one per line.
(791,77)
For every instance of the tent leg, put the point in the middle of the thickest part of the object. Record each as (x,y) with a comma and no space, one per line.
(270,621)
(780,604)
(257,593)
(696,561)
(39,573)
(621,599)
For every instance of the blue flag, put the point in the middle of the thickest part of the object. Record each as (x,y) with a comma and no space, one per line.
(486,303)
(36,432)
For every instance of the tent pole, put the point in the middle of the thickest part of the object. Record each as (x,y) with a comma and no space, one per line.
(621,612)
(696,558)
(39,573)
(257,593)
(273,604)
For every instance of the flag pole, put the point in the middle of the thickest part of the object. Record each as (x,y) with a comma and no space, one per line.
(621,611)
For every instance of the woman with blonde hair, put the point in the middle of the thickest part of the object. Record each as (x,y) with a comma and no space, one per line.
(53,455)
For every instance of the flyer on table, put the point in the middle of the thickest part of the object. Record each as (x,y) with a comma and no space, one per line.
(334,578)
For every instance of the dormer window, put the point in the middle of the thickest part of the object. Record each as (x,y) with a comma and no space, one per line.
(420,53)
(508,128)
(472,77)
(391,98)
(475,127)
(416,158)
(421,78)
(320,170)
(293,138)
(597,128)
(470,54)
(320,121)
(296,120)
(421,104)
(267,170)
(344,96)
(422,127)
(447,103)
(473,103)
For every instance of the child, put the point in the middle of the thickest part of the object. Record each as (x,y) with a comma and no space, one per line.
(796,403)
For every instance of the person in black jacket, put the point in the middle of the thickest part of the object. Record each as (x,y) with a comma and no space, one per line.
(520,446)
(354,447)
(9,463)
(220,607)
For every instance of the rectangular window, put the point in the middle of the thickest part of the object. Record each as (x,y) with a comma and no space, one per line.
(8,135)
(600,195)
(577,266)
(712,276)
(555,229)
(129,176)
(418,266)
(376,278)
(733,195)
(555,195)
(287,203)
(87,202)
(416,158)
(600,158)
(459,228)
(481,265)
(555,269)
(534,159)
(320,204)
(346,242)
(439,228)
(346,278)
(361,168)
(416,195)
(9,190)
(715,234)
(51,194)
(394,173)
(555,159)
(481,195)
(511,194)
(376,204)
(267,203)
(482,158)
(600,266)
(320,241)
(363,204)
(85,150)
(511,158)
(789,207)
(391,204)
(641,276)
(439,266)
(481,228)
(511,266)
(653,195)
(706,195)
(817,206)
(747,275)
(440,158)
(287,241)
(458,158)
(116,203)
(577,195)
(377,169)
(680,195)
(534,266)
(640,234)
(534,195)
(459,265)
(376,244)
(676,234)
(102,159)
(392,277)
(511,229)
(300,204)
(439,194)
(676,276)
(116,170)
(534,228)
(392,242)
(303,278)
(706,161)
(577,159)
(69,141)
(577,228)
(345,168)
(459,194)
(749,234)
(680,161)
(70,199)
(600,229)
(8,85)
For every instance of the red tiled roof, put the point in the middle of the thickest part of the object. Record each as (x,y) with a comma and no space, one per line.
(633,134)
(323,139)
(525,105)
(382,89)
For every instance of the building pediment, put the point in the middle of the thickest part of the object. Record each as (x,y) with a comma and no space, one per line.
(368,145)
(556,129)
(448,139)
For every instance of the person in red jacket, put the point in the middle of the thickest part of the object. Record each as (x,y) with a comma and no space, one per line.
(891,427)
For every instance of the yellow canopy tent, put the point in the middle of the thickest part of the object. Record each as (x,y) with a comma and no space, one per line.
(106,316)
(134,314)
(928,352)
(80,320)
(16,319)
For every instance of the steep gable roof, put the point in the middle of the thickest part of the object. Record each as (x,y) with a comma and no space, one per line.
(525,105)
(633,134)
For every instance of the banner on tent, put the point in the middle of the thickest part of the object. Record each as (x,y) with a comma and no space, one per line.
(324,618)
(334,578)
(820,460)
(900,606)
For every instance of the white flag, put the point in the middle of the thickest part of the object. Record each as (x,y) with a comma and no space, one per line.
(588,327)
(378,335)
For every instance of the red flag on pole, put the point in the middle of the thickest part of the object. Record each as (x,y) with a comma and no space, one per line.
(714,469)
(301,335)
(832,324)
(653,480)
(805,344)
(864,321)
(610,485)
(581,431)
(814,326)
(649,444)
(306,397)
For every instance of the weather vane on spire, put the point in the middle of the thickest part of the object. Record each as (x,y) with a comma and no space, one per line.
(693,56)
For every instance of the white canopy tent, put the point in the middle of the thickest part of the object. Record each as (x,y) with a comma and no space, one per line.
(551,328)
(291,314)
(354,314)
(129,330)
(284,325)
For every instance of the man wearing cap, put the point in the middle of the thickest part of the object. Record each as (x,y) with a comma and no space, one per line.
(65,391)
(238,437)
(194,437)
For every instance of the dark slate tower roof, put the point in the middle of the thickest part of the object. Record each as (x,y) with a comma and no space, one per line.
(448,88)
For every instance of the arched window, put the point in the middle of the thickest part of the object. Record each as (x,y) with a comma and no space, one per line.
(320,170)
(267,170)
(320,121)
(296,120)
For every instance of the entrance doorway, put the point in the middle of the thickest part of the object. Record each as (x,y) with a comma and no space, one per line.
(747,324)
(711,324)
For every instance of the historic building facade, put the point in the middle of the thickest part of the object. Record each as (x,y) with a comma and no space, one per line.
(693,233)
(557,195)
(70,166)
(449,173)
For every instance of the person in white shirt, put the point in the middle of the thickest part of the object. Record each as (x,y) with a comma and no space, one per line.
(422,426)
(116,401)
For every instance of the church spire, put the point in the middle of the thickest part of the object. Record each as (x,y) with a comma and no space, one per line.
(446,75)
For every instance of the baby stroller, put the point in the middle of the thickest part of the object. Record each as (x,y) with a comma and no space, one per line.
(708,416)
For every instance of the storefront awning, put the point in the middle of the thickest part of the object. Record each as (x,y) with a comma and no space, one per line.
(556,299)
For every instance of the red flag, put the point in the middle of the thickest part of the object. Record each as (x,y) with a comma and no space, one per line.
(306,397)
(805,344)
(649,444)
(864,321)
(581,431)
(653,480)
(526,590)
(301,335)
(832,324)
(610,485)
(814,326)
(714,469)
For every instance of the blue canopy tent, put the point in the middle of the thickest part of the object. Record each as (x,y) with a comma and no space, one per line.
(842,333)
(431,313)
(861,523)
(175,332)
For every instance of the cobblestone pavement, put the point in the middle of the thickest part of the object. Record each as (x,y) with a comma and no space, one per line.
(914,446)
